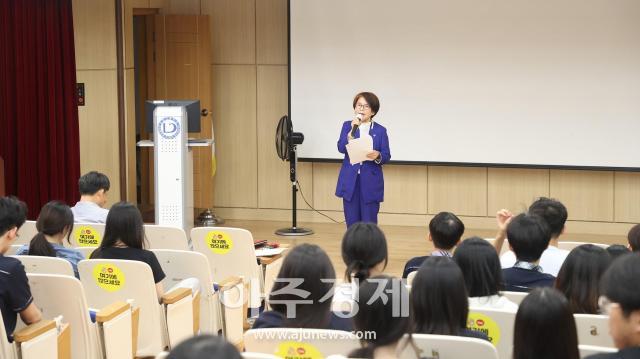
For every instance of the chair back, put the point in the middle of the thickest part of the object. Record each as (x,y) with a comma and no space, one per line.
(87,234)
(108,280)
(497,324)
(64,295)
(593,329)
(13,249)
(164,237)
(26,233)
(46,265)
(410,277)
(313,343)
(86,251)
(569,245)
(446,346)
(179,265)
(588,350)
(231,252)
(7,350)
(515,297)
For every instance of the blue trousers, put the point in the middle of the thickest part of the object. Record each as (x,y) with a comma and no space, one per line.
(356,210)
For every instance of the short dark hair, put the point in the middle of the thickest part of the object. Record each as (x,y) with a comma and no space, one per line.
(552,211)
(363,247)
(439,303)
(545,327)
(634,238)
(124,222)
(480,266)
(371,99)
(619,282)
(311,264)
(13,213)
(92,182)
(616,250)
(528,236)
(579,277)
(446,230)
(379,315)
(205,347)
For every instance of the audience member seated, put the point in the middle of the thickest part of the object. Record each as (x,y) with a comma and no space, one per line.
(306,268)
(15,294)
(54,223)
(621,302)
(545,327)
(93,197)
(439,303)
(383,310)
(579,277)
(124,239)
(480,266)
(528,236)
(634,238)
(445,231)
(205,347)
(555,215)
(364,252)
(617,250)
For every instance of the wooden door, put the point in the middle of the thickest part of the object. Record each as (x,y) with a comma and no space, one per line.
(180,69)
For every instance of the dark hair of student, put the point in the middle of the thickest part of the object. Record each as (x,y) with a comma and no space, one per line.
(446,229)
(13,213)
(311,264)
(480,266)
(363,247)
(92,182)
(616,250)
(205,347)
(553,212)
(55,217)
(545,327)
(579,277)
(528,235)
(388,318)
(372,100)
(619,283)
(634,238)
(124,223)
(439,303)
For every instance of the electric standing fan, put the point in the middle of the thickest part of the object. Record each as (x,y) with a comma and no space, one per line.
(286,143)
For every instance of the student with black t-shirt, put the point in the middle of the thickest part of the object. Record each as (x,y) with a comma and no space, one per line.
(124,239)
(15,294)
(528,236)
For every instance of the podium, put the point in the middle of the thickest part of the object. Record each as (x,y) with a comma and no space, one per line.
(173,165)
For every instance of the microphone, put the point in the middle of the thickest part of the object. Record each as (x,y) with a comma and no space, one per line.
(355,127)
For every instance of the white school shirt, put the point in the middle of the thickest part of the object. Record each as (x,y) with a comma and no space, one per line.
(551,260)
(89,212)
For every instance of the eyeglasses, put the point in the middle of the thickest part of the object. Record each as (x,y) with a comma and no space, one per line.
(362,107)
(605,304)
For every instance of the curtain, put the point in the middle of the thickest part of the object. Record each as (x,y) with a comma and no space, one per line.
(38,114)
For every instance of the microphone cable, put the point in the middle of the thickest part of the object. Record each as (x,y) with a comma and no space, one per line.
(310,206)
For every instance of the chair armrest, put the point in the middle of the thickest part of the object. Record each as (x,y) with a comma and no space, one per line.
(111,311)
(175,295)
(64,342)
(229,283)
(196,313)
(135,319)
(268,260)
(33,330)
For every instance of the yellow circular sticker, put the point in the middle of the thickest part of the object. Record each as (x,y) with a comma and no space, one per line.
(87,236)
(486,325)
(218,242)
(298,350)
(108,277)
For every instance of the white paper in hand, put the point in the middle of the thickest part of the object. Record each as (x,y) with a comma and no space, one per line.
(358,149)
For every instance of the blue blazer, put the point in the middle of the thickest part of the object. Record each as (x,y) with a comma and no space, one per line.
(371,178)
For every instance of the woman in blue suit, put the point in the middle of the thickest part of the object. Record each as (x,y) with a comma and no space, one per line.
(361,185)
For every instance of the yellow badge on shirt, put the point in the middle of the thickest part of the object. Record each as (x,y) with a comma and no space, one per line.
(87,236)
(485,324)
(297,350)
(218,242)
(108,277)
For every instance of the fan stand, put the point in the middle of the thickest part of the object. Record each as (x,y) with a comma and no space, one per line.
(294,230)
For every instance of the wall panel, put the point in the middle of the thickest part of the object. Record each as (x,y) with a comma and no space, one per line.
(515,188)
(94,34)
(405,189)
(271,32)
(461,190)
(233,30)
(588,195)
(627,197)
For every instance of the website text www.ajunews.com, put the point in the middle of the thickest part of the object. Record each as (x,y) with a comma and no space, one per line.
(302,335)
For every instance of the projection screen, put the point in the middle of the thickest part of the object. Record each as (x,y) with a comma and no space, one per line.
(521,82)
